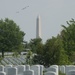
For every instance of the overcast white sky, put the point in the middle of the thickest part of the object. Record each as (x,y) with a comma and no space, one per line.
(53,14)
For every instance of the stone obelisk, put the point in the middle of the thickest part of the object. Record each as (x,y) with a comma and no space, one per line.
(38,27)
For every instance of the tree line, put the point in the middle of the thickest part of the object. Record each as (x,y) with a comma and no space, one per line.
(58,50)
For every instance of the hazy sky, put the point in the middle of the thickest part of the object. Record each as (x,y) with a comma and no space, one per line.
(53,14)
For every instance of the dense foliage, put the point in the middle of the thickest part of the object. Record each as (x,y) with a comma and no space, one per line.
(68,37)
(50,53)
(54,52)
(11,37)
(36,46)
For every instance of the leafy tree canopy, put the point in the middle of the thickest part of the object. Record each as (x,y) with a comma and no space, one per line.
(68,37)
(11,37)
(54,52)
(36,45)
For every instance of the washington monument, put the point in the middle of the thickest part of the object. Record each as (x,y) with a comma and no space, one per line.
(38,27)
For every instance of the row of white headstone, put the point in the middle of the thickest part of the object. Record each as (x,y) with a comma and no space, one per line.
(67,70)
(13,60)
(36,70)
(21,70)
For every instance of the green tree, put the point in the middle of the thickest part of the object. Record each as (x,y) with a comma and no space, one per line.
(54,52)
(68,37)
(11,37)
(36,46)
(29,57)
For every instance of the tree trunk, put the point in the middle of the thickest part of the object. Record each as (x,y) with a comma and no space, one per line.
(3,53)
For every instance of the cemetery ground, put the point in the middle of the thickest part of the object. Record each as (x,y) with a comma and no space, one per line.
(16,65)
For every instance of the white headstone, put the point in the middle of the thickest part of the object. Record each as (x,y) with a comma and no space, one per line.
(2,73)
(28,72)
(36,69)
(41,69)
(68,68)
(20,68)
(54,66)
(53,69)
(62,69)
(50,73)
(12,71)
(6,67)
(71,72)
(27,67)
(1,68)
